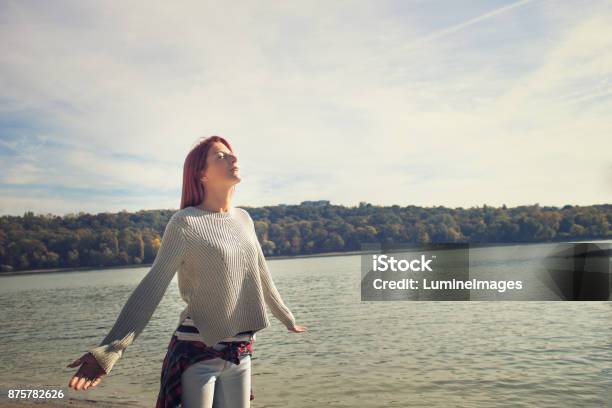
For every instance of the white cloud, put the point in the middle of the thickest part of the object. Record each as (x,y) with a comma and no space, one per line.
(347,102)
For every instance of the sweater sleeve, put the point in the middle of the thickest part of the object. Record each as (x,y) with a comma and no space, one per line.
(143,301)
(273,298)
(271,294)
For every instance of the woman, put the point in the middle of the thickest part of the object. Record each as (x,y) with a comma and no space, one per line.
(224,280)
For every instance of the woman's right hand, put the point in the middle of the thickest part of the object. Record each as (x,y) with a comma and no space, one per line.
(88,375)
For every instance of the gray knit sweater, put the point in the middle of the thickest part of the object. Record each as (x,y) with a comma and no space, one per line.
(222,277)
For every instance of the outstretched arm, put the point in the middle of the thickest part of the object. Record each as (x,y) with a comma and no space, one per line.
(273,298)
(141,304)
(271,295)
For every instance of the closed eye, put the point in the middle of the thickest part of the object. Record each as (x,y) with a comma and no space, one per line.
(221,155)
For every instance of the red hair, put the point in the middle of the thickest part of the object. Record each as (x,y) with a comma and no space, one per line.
(193,190)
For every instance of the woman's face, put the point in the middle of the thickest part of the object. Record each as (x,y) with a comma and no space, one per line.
(221,166)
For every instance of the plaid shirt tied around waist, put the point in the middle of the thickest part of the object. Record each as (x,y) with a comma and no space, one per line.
(181,354)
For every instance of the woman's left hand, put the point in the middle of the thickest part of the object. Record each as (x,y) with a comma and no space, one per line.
(297,329)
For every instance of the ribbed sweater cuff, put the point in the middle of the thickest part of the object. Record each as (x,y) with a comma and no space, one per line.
(105,357)
(286,317)
(108,354)
(290,323)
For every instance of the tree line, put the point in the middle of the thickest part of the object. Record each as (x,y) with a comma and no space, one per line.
(115,239)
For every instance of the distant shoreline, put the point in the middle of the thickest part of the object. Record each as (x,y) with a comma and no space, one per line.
(321,255)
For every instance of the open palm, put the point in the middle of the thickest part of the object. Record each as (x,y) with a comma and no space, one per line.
(298,329)
(88,375)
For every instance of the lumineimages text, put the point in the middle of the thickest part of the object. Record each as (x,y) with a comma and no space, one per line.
(454,284)
(384,263)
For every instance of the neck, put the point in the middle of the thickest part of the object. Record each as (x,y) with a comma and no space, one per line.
(218,201)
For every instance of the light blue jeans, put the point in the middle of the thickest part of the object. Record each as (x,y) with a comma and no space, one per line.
(217,383)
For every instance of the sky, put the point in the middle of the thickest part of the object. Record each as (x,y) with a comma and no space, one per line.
(429,103)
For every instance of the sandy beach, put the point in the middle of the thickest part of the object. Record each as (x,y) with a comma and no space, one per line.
(68,402)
